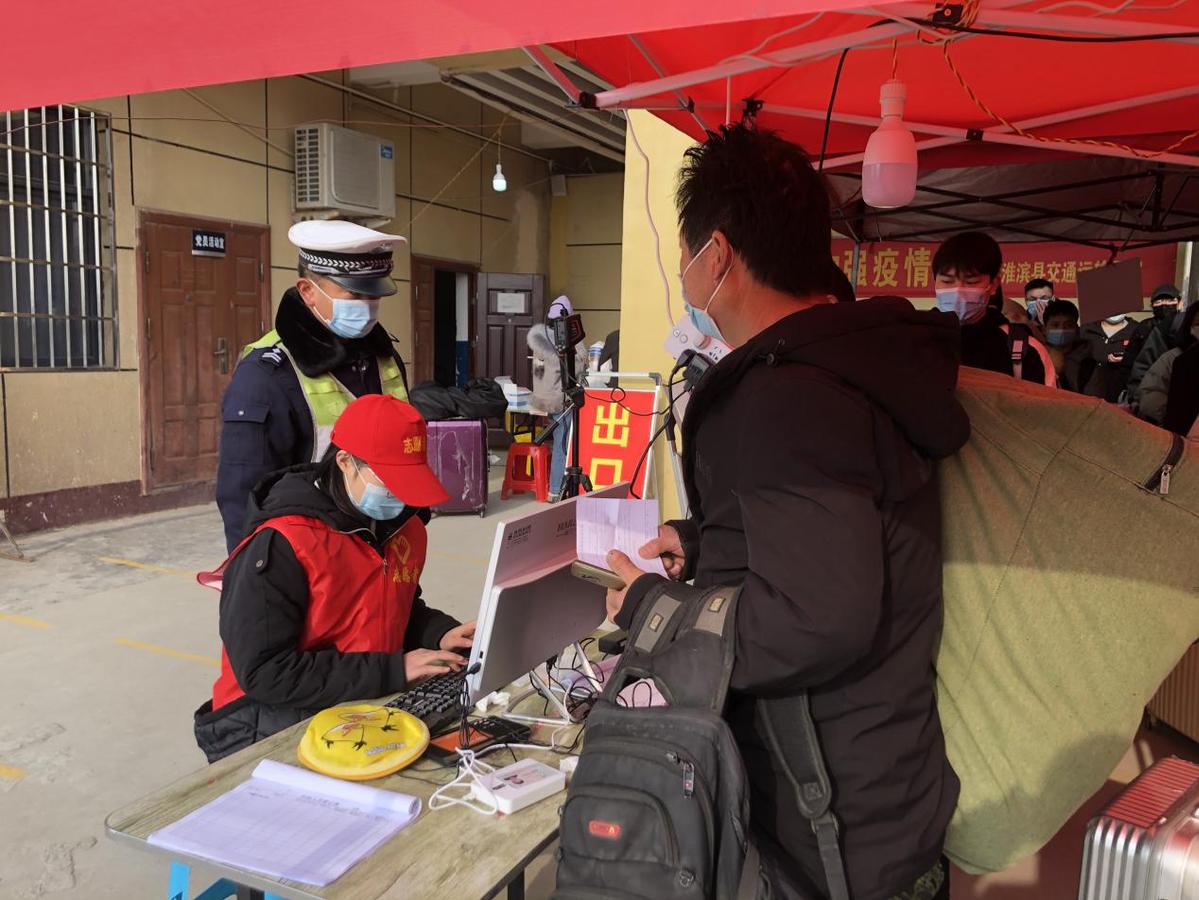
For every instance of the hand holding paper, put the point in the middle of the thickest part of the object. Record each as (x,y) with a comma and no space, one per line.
(625,525)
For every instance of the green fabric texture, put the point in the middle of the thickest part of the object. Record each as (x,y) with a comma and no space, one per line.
(1070,594)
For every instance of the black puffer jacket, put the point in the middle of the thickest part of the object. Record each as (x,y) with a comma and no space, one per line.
(808,463)
(264,607)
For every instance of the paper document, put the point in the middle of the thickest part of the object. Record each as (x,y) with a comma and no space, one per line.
(602,525)
(291,823)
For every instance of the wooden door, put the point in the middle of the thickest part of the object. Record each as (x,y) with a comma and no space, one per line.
(198,312)
(422,320)
(506,307)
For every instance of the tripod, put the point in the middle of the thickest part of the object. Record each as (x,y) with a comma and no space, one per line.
(574,481)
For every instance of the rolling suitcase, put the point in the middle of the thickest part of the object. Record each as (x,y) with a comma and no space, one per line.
(1145,844)
(458,456)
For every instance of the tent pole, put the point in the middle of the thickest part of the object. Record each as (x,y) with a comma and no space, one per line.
(550,68)
(1038,122)
(653,64)
(855,269)
(1043,22)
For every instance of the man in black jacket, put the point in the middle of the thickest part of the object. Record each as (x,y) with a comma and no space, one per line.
(809,468)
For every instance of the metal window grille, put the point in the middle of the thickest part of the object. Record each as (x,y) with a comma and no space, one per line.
(57,240)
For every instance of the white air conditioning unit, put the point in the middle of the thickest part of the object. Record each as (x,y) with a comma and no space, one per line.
(344,172)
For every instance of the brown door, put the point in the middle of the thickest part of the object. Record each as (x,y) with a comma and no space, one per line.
(199,310)
(507,306)
(422,320)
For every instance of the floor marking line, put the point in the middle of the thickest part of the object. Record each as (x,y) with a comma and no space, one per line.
(167,651)
(11,773)
(146,567)
(24,620)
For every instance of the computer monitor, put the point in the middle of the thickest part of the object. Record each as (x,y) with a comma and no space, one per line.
(532,607)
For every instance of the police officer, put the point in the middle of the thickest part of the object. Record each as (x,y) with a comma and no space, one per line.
(326,349)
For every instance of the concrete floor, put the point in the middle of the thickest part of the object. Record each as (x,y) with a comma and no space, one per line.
(107,645)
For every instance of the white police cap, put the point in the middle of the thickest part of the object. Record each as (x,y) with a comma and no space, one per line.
(357,258)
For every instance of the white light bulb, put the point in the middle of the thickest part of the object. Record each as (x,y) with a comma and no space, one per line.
(499,182)
(889,164)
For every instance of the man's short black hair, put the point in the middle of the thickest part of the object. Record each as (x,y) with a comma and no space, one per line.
(969,253)
(1061,308)
(1038,283)
(764,195)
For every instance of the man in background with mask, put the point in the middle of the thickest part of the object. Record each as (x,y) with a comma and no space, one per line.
(808,458)
(1153,338)
(326,349)
(966,276)
(1038,294)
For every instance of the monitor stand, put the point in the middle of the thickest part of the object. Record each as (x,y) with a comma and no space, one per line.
(555,696)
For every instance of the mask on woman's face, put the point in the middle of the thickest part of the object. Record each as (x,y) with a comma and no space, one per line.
(376,502)
(968,303)
(352,318)
(1060,337)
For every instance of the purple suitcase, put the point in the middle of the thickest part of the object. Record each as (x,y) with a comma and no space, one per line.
(458,456)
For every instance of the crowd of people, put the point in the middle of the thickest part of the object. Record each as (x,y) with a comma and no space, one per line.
(1150,367)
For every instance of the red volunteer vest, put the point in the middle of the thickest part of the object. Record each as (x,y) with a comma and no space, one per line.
(357,601)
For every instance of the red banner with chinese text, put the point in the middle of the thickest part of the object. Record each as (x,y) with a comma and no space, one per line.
(905,268)
(613,436)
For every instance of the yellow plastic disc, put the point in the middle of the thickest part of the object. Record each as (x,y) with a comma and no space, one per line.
(362,742)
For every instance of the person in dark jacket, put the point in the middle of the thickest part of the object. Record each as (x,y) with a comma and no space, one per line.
(1073,360)
(809,465)
(1109,341)
(1162,335)
(966,275)
(322,603)
(326,349)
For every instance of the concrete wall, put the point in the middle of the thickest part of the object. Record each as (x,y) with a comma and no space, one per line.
(643,322)
(225,152)
(585,250)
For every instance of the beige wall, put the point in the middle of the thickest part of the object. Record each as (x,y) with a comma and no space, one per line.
(224,152)
(585,250)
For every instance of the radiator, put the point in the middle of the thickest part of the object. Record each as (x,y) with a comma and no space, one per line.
(1145,844)
(1177,701)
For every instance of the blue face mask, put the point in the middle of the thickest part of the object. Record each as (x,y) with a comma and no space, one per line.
(700,318)
(352,318)
(967,303)
(1060,337)
(377,502)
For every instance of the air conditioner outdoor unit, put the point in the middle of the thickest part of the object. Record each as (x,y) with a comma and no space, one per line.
(344,172)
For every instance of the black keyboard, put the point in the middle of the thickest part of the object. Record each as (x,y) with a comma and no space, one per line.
(436,701)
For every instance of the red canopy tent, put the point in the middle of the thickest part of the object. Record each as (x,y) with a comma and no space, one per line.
(1006,98)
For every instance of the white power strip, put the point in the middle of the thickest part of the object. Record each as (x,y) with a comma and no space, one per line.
(521,784)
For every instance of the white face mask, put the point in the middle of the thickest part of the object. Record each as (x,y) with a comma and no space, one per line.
(352,318)
(701,318)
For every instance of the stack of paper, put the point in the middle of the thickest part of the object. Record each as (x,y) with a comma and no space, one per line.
(290,823)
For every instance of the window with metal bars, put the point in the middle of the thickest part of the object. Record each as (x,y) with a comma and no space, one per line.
(57,240)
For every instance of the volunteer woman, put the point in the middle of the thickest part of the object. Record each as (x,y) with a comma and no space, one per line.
(321,604)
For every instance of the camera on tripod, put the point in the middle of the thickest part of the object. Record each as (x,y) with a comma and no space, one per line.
(567,332)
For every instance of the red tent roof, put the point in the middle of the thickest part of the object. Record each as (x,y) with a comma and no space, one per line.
(1020,79)
(64,51)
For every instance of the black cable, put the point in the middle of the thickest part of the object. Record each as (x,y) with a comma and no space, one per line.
(1057,38)
(667,423)
(828,116)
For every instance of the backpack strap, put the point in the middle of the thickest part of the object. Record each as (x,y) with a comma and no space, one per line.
(683,638)
(1017,346)
(791,733)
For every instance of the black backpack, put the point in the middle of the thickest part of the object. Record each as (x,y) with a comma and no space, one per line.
(658,807)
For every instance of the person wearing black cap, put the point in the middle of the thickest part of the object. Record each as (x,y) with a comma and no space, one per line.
(326,349)
(321,604)
(1161,333)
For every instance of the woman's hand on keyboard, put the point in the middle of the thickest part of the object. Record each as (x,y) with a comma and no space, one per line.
(459,638)
(421,664)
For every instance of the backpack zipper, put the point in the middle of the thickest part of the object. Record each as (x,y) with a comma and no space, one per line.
(1159,482)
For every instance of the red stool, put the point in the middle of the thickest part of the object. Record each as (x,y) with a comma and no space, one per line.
(528,471)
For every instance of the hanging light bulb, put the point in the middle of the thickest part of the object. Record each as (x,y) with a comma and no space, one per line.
(499,182)
(889,164)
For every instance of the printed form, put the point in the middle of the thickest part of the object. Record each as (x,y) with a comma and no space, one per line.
(602,525)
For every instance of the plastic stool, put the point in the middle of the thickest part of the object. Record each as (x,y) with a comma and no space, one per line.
(528,471)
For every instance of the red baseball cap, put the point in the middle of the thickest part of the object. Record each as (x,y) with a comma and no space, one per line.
(390,436)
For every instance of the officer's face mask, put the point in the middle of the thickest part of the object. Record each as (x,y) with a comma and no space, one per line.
(1060,337)
(376,502)
(968,303)
(701,318)
(352,318)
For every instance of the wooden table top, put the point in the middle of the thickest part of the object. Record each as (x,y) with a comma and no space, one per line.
(450,853)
